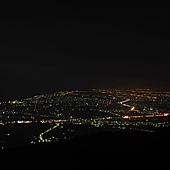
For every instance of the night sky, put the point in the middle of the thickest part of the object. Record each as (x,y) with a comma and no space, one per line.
(55,46)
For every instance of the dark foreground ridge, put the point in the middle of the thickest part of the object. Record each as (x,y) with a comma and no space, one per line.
(130,149)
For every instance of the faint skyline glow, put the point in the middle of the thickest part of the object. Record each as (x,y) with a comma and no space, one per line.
(46,48)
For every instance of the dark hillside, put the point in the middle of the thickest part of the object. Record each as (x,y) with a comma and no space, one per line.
(101,149)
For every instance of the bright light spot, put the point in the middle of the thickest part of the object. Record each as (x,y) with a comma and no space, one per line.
(132,108)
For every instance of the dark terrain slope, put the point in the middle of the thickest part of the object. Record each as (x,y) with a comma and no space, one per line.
(106,150)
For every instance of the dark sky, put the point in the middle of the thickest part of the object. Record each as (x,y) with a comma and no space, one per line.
(64,45)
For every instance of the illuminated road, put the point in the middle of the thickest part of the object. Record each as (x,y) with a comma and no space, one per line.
(123,104)
(48,130)
(140,116)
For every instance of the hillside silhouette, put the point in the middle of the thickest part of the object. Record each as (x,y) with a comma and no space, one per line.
(105,149)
